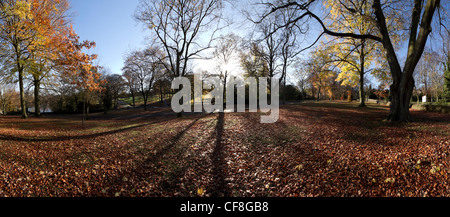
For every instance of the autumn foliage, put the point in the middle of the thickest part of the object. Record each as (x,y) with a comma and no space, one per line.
(76,64)
(38,39)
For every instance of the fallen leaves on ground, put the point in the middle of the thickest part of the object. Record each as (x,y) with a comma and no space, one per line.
(315,149)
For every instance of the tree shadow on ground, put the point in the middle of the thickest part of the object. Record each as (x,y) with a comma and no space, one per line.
(66,138)
(220,184)
(151,166)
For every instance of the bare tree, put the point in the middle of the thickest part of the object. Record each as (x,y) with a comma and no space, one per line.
(178,25)
(289,46)
(225,51)
(446,65)
(144,67)
(252,61)
(271,43)
(419,31)
(114,85)
(131,84)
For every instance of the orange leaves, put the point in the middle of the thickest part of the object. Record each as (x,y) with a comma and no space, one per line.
(315,150)
(48,22)
(76,64)
(41,29)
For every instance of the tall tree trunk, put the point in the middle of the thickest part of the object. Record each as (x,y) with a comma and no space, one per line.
(318,94)
(116,100)
(284,91)
(225,77)
(45,106)
(417,95)
(349,96)
(161,92)
(283,79)
(22,94)
(4,108)
(87,111)
(401,93)
(362,96)
(84,110)
(37,98)
(447,80)
(437,95)
(397,109)
(403,85)
(145,102)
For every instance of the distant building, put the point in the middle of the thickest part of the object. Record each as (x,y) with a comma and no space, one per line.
(47,110)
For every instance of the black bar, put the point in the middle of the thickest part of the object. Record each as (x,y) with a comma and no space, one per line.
(224,206)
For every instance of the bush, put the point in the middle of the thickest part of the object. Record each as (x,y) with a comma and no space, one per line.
(292,93)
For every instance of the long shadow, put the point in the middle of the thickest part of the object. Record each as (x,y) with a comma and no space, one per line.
(127,117)
(220,185)
(65,138)
(173,176)
(145,168)
(175,140)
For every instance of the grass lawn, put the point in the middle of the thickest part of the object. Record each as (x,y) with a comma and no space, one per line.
(315,149)
(139,100)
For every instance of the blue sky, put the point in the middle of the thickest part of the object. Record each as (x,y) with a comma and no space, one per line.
(111,25)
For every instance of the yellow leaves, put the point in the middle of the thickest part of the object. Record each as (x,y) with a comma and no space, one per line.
(200,191)
(435,169)
(299,167)
(389,180)
(22,10)
(151,26)
(37,26)
(334,7)
(353,16)
(34,26)
(17,18)
(348,76)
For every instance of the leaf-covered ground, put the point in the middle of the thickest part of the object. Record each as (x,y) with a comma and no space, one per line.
(315,149)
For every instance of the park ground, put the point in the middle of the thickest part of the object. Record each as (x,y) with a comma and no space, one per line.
(315,149)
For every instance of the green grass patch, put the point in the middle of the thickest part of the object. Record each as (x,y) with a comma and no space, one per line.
(139,100)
